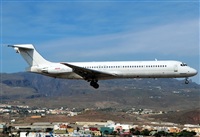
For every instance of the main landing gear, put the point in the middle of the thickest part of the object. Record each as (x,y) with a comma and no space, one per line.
(94,84)
(186,81)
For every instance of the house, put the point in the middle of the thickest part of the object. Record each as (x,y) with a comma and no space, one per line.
(106,130)
(2,127)
(174,130)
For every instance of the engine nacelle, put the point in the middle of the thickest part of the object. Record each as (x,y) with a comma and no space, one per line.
(55,70)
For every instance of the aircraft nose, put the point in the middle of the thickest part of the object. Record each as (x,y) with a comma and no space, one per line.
(193,71)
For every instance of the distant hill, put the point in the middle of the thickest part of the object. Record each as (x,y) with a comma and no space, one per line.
(181,117)
(38,90)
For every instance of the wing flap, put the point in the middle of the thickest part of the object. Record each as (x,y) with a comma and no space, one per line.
(89,74)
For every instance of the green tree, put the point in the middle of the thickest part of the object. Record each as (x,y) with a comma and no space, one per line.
(114,133)
(132,130)
(186,133)
(145,132)
(160,133)
(137,132)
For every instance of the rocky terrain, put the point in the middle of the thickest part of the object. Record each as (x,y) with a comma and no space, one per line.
(187,116)
(159,94)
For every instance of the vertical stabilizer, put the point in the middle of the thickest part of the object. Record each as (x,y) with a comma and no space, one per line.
(29,53)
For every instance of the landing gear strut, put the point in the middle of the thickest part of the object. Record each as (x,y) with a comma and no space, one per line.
(186,81)
(94,84)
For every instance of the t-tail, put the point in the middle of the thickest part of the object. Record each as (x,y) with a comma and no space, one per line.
(30,54)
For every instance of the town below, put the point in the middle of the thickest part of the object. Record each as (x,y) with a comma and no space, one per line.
(28,121)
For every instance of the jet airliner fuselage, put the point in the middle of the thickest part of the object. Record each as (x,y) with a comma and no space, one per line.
(94,71)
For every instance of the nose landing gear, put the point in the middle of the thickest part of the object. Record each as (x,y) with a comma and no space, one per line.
(186,81)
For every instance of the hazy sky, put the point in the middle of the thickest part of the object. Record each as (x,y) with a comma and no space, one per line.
(101,30)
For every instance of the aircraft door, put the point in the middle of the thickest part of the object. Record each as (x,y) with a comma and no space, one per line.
(175,68)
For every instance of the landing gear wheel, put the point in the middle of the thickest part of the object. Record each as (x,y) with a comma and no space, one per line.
(186,81)
(94,84)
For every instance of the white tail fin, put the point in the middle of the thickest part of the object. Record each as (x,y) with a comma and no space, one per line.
(28,52)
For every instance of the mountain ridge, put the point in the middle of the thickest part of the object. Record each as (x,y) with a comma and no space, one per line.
(120,93)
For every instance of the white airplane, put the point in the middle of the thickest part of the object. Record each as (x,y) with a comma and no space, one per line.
(94,71)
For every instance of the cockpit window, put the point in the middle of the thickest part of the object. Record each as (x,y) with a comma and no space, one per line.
(183,64)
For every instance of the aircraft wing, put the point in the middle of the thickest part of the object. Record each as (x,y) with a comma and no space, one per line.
(89,74)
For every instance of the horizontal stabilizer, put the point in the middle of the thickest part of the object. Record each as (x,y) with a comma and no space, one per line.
(29,53)
(23,46)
